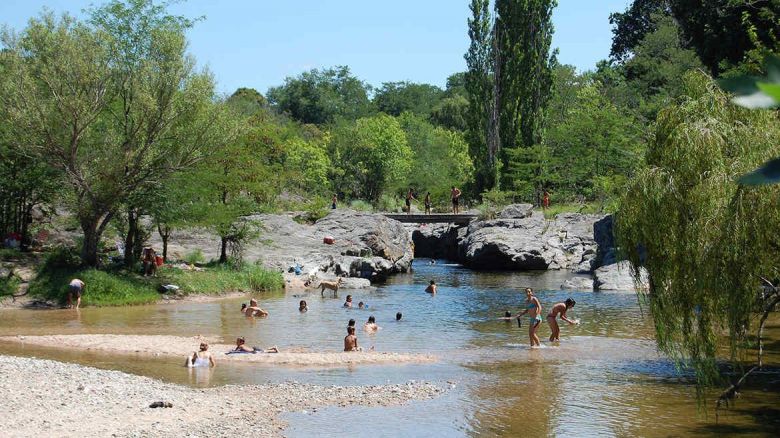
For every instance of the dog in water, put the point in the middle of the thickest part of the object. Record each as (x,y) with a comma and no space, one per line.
(332,285)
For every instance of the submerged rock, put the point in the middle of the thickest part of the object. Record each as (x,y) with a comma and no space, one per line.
(617,276)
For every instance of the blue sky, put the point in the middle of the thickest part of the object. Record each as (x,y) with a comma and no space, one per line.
(257,43)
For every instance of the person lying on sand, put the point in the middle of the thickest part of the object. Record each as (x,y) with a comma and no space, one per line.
(201,358)
(348,303)
(241,347)
(370,325)
(559,309)
(431,289)
(350,341)
(254,310)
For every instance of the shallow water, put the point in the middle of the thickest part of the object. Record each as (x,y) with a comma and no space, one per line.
(604,379)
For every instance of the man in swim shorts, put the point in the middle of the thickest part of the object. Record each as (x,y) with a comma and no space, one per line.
(75,289)
(455,196)
(559,309)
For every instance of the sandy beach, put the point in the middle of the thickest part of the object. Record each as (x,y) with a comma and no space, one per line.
(179,347)
(43,398)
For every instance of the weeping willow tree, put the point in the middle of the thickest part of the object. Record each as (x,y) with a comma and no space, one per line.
(706,241)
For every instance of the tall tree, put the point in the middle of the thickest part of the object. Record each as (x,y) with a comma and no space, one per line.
(395,98)
(631,26)
(323,96)
(113,103)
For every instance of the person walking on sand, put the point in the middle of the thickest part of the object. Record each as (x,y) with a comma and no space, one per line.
(201,358)
(455,196)
(428,203)
(409,198)
(75,289)
(431,289)
(559,309)
(534,311)
(350,341)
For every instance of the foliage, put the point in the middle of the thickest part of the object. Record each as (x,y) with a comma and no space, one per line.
(451,113)
(322,96)
(394,98)
(114,103)
(195,256)
(633,25)
(373,153)
(359,205)
(309,164)
(103,288)
(704,240)
(217,279)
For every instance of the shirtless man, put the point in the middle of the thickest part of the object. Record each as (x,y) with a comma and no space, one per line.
(428,203)
(350,341)
(559,309)
(431,289)
(254,310)
(201,358)
(455,196)
(409,198)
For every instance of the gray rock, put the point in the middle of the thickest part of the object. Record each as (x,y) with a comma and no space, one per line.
(436,241)
(617,276)
(578,283)
(516,211)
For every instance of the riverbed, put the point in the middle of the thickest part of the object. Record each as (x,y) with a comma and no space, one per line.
(605,378)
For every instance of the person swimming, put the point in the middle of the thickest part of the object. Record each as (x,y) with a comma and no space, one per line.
(303,307)
(350,341)
(254,310)
(370,325)
(534,311)
(559,309)
(201,358)
(351,322)
(431,289)
(398,316)
(243,308)
(361,305)
(348,302)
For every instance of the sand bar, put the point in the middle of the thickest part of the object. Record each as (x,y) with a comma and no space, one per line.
(180,347)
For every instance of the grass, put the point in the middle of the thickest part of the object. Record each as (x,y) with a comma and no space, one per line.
(118,287)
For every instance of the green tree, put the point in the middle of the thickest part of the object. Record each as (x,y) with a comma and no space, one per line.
(372,154)
(113,103)
(322,96)
(705,241)
(630,27)
(451,113)
(247,101)
(394,98)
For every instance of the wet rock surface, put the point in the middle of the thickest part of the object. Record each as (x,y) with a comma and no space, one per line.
(617,276)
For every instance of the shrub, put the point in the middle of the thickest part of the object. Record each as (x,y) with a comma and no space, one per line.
(360,205)
(194,257)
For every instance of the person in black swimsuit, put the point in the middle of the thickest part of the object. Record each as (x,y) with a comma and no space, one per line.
(455,195)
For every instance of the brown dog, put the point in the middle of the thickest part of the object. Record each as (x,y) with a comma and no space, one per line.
(332,285)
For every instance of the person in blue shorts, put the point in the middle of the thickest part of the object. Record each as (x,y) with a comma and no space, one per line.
(534,311)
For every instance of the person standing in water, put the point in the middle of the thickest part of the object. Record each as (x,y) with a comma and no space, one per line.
(559,309)
(350,341)
(431,289)
(428,203)
(534,311)
(409,198)
(455,196)
(75,289)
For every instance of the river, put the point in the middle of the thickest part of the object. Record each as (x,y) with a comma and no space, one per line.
(604,379)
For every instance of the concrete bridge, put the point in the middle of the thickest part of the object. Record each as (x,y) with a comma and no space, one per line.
(458,219)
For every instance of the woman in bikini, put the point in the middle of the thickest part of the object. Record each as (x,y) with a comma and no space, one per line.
(534,311)
(559,309)
(201,358)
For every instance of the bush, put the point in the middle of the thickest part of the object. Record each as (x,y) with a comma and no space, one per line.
(8,286)
(194,257)
(390,203)
(220,278)
(360,205)
(103,288)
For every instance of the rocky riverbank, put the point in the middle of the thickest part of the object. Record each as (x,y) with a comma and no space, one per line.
(521,239)
(48,398)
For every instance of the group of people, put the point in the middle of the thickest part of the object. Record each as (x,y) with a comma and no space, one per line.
(534,311)
(204,358)
(455,194)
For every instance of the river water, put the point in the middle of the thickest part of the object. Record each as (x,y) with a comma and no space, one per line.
(604,379)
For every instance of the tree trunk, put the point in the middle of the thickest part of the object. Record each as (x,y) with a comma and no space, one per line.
(93,227)
(223,250)
(132,229)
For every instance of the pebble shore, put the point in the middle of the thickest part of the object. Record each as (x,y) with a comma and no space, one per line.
(43,398)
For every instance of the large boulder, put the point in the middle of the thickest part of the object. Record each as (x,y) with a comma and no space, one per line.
(438,241)
(531,243)
(603,234)
(369,246)
(617,276)
(516,211)
(578,283)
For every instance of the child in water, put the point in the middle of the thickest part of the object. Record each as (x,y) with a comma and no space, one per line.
(348,303)
(370,325)
(350,341)
(431,289)
(559,309)
(303,307)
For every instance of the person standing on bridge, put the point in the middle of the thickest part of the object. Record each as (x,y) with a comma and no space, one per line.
(455,195)
(409,198)
(428,203)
